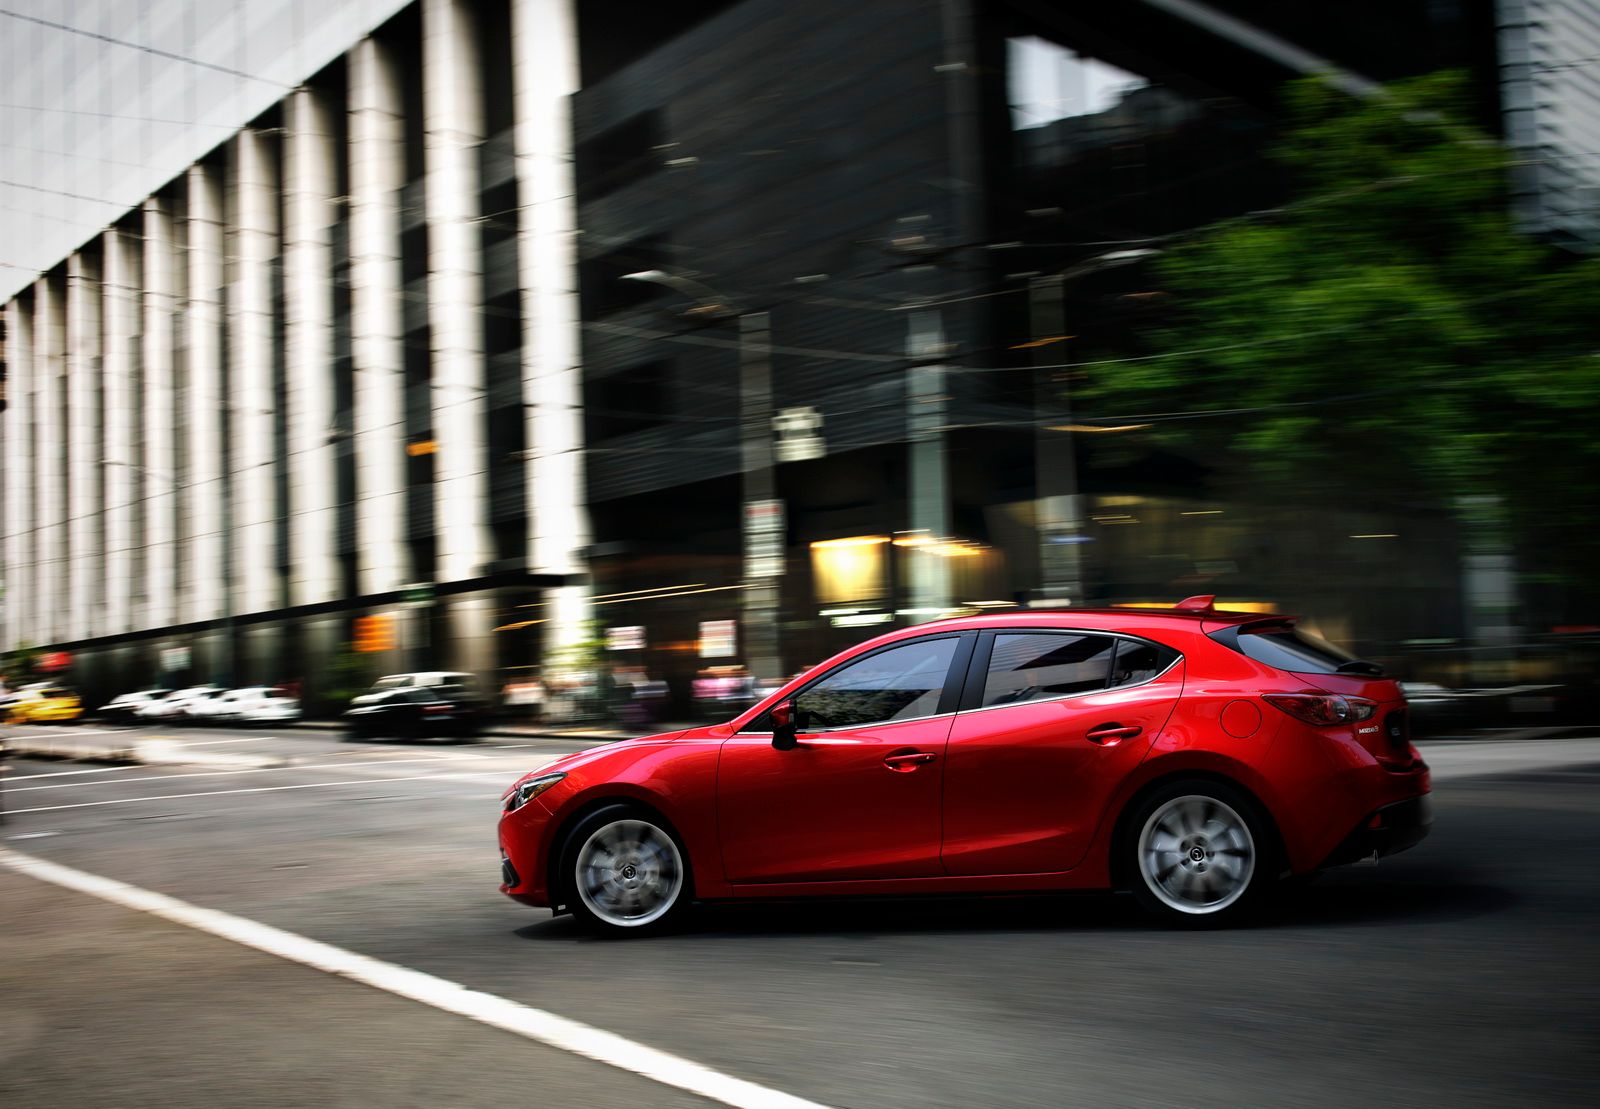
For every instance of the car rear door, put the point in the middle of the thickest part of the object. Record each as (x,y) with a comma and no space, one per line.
(1050,723)
(859,797)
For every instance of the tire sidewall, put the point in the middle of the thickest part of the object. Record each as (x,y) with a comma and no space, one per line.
(573,842)
(1236,799)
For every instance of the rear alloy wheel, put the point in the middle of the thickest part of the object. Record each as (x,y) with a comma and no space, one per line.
(628,873)
(1197,854)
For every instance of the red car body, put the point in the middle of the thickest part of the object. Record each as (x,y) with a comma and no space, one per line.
(1031,796)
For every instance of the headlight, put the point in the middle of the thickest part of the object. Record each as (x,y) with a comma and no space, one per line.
(523,792)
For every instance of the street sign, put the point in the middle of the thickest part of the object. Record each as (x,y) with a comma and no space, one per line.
(763,539)
(799,434)
(627,638)
(717,638)
(374,633)
(417,593)
(763,517)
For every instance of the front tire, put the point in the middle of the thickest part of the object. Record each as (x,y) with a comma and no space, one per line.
(1197,854)
(625,872)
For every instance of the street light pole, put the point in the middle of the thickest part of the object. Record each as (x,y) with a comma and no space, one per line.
(760,513)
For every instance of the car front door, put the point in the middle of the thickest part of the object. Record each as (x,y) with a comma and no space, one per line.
(1051,723)
(859,796)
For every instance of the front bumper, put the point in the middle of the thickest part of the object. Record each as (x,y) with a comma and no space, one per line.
(1385,831)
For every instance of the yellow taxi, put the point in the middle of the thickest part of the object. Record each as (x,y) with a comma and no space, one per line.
(52,704)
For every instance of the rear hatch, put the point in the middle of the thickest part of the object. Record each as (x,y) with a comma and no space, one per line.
(1280,644)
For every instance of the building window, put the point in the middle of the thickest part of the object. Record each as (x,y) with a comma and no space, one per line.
(619,155)
(634,400)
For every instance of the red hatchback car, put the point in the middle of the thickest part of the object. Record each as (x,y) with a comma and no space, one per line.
(1190,755)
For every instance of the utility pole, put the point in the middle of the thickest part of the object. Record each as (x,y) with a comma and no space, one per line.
(762,515)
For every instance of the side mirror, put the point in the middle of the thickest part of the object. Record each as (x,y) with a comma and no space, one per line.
(784,736)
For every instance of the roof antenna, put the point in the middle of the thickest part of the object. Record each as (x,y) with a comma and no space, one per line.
(1200,603)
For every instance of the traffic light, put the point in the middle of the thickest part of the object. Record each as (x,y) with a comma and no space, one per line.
(374,633)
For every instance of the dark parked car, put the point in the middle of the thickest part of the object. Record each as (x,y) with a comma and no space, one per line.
(434,704)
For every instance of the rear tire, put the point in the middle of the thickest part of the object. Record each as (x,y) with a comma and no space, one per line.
(1198,854)
(624,872)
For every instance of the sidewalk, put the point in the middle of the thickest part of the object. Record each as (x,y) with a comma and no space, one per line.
(256,749)
(593,732)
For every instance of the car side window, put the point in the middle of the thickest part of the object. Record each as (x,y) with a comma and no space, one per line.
(901,683)
(1032,666)
(1138,661)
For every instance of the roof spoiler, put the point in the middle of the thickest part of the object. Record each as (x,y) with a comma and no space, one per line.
(1205,604)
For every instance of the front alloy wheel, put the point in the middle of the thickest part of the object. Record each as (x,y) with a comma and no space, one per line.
(627,871)
(1197,857)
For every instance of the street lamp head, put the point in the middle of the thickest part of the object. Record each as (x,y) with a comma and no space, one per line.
(709,304)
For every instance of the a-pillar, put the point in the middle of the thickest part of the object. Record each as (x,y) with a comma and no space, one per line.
(544,53)
(452,132)
(310,180)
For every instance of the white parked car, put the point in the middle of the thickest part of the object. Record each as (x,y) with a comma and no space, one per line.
(174,709)
(255,704)
(123,709)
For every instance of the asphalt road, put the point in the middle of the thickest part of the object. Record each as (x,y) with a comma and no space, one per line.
(1466,972)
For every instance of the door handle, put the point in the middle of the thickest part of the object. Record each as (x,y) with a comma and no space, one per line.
(908,760)
(1109,735)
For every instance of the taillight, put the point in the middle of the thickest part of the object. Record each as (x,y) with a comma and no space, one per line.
(437,708)
(1322,709)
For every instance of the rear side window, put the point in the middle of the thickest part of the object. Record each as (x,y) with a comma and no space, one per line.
(1033,666)
(1138,661)
(1291,649)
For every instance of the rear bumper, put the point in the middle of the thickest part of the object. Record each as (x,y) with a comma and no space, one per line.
(1386,831)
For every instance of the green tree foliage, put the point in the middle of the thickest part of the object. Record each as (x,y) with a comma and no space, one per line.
(1387,333)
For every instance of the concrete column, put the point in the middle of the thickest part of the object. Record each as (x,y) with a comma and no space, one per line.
(50,453)
(158,469)
(377,172)
(120,305)
(545,73)
(453,128)
(252,246)
(203,423)
(21,460)
(85,564)
(310,180)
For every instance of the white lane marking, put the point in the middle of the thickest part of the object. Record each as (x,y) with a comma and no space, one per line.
(538,1025)
(207,742)
(258,789)
(33,835)
(75,773)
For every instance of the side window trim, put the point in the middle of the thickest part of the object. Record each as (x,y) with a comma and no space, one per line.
(978,672)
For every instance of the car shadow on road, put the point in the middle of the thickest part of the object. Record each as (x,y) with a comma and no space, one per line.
(1340,898)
